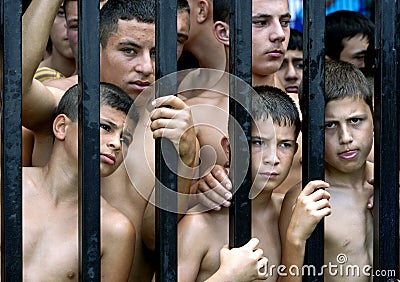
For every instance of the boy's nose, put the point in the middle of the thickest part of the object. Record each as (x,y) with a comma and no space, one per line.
(345,135)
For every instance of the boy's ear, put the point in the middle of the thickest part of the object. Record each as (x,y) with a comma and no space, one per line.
(202,11)
(59,126)
(226,147)
(221,32)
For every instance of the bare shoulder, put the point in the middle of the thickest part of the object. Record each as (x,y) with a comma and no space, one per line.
(62,83)
(203,223)
(114,223)
(292,194)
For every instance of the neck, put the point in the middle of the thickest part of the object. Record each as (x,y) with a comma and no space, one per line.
(258,80)
(262,200)
(208,51)
(352,179)
(61,181)
(60,63)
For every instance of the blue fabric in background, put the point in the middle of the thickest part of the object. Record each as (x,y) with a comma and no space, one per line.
(296,9)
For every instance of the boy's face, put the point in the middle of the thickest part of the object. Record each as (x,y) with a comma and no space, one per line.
(183,26)
(129,58)
(270,31)
(112,135)
(71,15)
(273,148)
(354,50)
(348,134)
(291,71)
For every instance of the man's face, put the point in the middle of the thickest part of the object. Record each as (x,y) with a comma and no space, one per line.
(348,134)
(291,71)
(59,36)
(272,151)
(270,31)
(354,50)
(183,26)
(71,15)
(128,61)
(112,135)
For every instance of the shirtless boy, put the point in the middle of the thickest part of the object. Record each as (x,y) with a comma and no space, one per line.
(348,141)
(275,128)
(127,59)
(50,196)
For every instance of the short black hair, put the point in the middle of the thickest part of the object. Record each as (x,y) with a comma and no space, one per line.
(221,10)
(113,10)
(269,101)
(343,80)
(110,95)
(344,24)
(295,40)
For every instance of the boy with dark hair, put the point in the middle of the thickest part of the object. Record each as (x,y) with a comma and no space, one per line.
(348,35)
(348,141)
(291,70)
(275,128)
(50,195)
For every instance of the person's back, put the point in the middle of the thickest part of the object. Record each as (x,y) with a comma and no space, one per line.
(201,235)
(348,141)
(348,35)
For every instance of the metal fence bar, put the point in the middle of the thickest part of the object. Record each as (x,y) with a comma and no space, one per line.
(166,155)
(314,117)
(386,159)
(89,141)
(240,99)
(11,165)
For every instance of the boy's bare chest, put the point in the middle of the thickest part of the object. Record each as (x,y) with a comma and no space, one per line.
(50,248)
(348,230)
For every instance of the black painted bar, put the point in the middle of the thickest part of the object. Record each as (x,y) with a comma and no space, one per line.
(386,159)
(240,100)
(11,165)
(313,118)
(166,156)
(89,141)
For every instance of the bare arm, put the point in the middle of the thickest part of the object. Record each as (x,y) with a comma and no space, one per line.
(298,219)
(172,119)
(38,102)
(246,263)
(118,246)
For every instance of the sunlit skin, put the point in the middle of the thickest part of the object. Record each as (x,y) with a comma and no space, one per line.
(128,60)
(354,50)
(270,37)
(348,134)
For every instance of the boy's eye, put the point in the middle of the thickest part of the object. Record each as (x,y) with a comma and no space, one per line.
(330,125)
(105,127)
(126,140)
(285,23)
(259,22)
(257,143)
(285,145)
(299,66)
(355,120)
(129,51)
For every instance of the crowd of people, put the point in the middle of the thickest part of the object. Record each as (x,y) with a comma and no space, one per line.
(196,121)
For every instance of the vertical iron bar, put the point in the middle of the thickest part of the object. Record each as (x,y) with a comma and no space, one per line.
(240,99)
(386,159)
(165,153)
(11,165)
(314,118)
(89,141)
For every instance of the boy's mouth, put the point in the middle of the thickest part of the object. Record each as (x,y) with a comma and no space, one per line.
(349,154)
